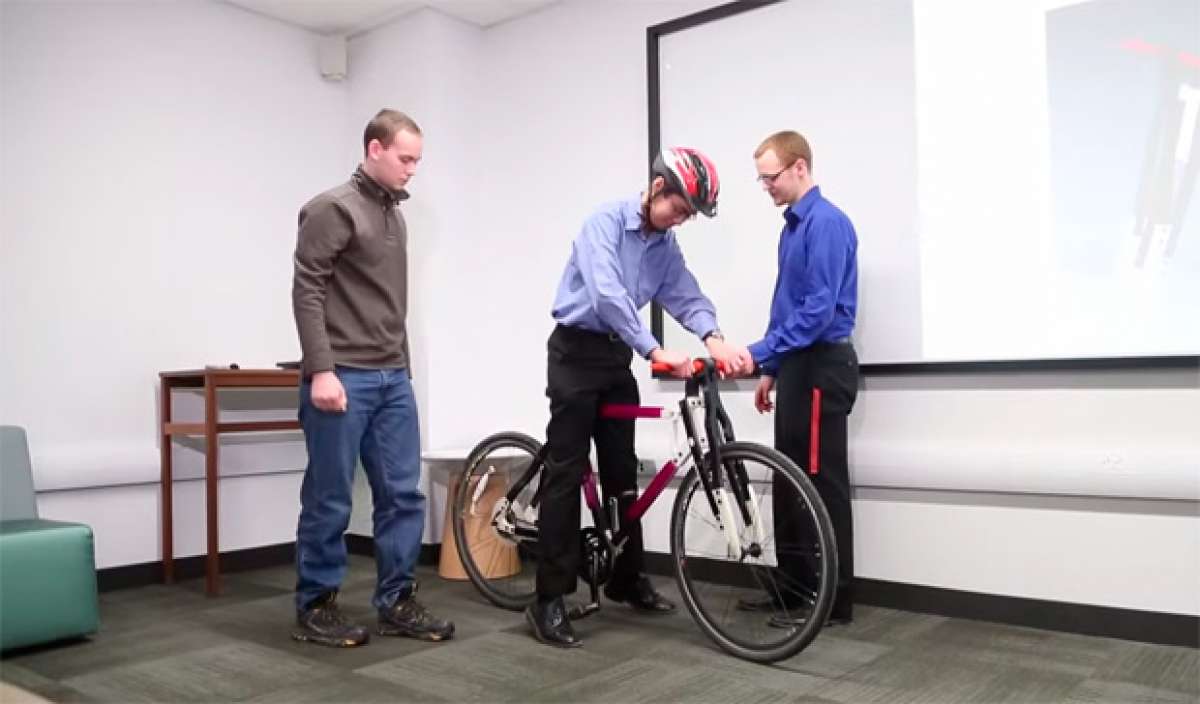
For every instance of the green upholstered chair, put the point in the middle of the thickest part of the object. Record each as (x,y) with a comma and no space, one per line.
(47,568)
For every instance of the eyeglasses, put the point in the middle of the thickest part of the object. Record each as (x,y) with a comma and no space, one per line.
(769,179)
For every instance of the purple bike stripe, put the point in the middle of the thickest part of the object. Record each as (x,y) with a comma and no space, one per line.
(656,486)
(626,411)
(589,488)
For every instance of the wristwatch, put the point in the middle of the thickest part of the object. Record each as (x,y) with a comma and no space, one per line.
(715,333)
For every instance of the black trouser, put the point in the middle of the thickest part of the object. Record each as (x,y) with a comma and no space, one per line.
(585,370)
(824,375)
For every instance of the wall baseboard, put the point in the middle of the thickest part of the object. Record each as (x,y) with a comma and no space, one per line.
(144,573)
(1085,619)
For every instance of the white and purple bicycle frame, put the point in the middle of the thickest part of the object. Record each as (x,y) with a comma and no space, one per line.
(693,414)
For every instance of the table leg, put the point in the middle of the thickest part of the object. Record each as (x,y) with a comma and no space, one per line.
(212,567)
(168,525)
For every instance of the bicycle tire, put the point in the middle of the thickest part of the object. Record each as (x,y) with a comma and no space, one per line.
(508,591)
(702,577)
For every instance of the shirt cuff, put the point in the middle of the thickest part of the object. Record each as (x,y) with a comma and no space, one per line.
(319,362)
(643,343)
(702,324)
(760,353)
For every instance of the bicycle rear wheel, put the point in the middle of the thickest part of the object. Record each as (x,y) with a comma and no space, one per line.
(495,524)
(740,596)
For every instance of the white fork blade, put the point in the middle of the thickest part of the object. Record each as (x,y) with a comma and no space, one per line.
(480,486)
(756,518)
(729,524)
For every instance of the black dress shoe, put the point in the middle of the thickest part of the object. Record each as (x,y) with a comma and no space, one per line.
(839,615)
(550,623)
(641,596)
(788,600)
(786,621)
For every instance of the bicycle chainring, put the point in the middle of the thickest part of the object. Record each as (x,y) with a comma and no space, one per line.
(595,557)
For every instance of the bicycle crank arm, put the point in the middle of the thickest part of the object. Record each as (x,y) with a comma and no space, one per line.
(525,532)
(581,611)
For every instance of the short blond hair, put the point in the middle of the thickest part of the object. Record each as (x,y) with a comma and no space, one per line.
(789,146)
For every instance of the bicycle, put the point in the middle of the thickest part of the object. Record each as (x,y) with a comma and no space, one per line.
(723,548)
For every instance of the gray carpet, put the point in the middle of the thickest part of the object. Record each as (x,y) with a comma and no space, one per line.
(172,644)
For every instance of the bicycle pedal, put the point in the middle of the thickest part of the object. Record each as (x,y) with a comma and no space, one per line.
(581,611)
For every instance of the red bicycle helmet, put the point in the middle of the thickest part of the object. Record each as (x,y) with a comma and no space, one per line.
(690,174)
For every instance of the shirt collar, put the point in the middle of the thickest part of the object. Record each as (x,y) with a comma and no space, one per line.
(373,189)
(800,210)
(631,217)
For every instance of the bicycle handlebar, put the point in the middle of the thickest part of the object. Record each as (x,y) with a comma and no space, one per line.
(697,366)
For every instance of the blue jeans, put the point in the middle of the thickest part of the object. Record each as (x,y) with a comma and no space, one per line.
(380,426)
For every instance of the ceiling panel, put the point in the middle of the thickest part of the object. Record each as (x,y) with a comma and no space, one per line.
(355,16)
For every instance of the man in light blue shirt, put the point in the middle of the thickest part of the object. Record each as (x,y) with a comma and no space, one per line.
(617,267)
(625,256)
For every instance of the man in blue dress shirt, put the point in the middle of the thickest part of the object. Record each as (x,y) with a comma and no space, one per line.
(806,357)
(624,257)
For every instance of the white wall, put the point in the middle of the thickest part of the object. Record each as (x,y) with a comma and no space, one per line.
(154,158)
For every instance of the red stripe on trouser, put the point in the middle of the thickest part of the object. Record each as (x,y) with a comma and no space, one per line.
(814,434)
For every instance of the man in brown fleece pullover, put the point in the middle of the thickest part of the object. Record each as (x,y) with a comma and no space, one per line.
(350,298)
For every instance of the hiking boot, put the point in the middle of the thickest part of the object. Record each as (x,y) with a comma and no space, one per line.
(323,623)
(409,617)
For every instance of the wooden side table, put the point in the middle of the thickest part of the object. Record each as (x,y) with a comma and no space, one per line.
(210,380)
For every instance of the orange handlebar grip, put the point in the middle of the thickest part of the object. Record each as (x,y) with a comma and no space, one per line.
(697,367)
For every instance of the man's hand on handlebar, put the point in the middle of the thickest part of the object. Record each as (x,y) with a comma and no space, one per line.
(677,363)
(695,365)
(743,362)
(726,357)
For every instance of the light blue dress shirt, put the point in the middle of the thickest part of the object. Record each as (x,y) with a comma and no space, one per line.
(616,268)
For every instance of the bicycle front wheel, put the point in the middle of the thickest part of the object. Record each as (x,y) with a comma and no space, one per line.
(761,588)
(495,519)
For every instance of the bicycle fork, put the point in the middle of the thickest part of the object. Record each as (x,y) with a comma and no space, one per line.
(708,413)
